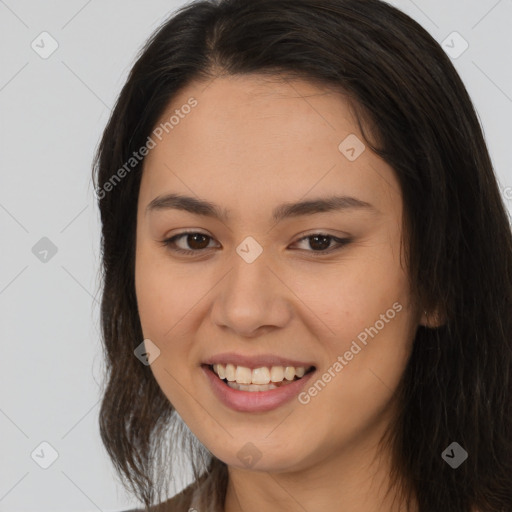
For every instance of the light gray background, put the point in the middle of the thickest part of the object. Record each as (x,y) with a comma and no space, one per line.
(53,111)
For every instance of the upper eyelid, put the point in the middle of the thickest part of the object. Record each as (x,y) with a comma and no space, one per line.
(300,235)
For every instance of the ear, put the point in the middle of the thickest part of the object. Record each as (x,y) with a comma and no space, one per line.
(433,319)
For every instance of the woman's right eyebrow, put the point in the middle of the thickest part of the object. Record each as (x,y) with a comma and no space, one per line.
(286,210)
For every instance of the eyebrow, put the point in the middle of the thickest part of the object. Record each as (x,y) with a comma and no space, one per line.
(283,211)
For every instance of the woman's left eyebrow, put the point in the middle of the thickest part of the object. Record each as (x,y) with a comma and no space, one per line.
(286,210)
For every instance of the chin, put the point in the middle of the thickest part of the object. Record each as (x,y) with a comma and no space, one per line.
(251,457)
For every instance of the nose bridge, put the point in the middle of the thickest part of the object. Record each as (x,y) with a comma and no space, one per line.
(250,296)
(249,283)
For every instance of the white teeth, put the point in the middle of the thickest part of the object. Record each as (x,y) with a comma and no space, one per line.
(219,370)
(243,375)
(276,373)
(251,387)
(229,371)
(289,372)
(260,376)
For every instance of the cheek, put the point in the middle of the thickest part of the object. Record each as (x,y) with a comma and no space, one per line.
(164,297)
(352,296)
(154,305)
(365,304)
(164,294)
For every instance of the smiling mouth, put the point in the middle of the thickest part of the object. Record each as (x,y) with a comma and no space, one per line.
(258,379)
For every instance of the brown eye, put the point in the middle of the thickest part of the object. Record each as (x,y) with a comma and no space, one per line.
(321,243)
(197,242)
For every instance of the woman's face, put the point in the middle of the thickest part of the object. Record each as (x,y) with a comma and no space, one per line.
(257,294)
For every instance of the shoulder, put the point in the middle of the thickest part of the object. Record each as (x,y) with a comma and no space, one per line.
(206,494)
(178,503)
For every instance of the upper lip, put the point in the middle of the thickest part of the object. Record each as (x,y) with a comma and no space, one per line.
(257,361)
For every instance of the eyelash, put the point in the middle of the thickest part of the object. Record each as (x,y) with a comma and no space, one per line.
(170,243)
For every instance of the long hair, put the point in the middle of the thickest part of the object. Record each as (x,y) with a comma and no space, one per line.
(458,242)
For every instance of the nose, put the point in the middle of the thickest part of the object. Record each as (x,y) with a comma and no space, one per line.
(252,299)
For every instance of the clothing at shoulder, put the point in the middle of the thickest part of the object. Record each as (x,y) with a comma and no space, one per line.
(196,497)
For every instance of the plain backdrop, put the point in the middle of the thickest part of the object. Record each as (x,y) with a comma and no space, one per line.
(53,110)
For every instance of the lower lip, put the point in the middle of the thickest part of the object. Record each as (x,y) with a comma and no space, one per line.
(254,401)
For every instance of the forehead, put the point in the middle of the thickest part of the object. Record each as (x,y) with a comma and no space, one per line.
(252,136)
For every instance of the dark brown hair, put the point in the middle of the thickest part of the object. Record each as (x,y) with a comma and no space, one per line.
(457,384)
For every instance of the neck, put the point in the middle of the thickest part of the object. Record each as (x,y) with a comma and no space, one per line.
(354,480)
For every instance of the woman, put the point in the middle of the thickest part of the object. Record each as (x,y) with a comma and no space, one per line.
(307,268)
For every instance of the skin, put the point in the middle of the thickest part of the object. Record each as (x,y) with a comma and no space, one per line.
(249,145)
